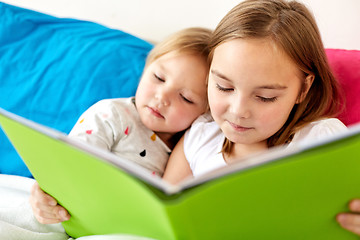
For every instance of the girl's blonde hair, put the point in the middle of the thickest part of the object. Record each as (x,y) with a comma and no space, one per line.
(292,27)
(189,41)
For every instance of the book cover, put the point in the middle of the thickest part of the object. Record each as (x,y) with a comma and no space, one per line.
(286,193)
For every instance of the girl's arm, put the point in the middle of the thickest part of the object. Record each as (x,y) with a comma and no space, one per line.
(177,167)
(45,208)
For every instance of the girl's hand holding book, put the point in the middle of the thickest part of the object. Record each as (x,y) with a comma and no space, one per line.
(45,208)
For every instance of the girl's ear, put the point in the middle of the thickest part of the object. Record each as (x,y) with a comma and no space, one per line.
(305,88)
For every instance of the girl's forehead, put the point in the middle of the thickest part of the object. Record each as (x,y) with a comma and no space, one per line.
(250,46)
(253,59)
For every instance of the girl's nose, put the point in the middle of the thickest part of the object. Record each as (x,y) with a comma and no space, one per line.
(164,97)
(239,106)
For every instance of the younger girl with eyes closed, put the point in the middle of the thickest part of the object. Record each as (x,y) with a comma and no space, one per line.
(145,128)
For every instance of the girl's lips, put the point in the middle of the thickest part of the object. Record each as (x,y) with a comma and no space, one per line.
(155,112)
(238,127)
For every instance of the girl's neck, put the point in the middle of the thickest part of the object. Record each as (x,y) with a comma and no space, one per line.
(241,151)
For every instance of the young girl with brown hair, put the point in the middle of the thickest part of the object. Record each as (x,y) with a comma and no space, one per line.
(269,84)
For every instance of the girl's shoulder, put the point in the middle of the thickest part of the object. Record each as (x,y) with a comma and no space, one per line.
(203,131)
(115,106)
(203,125)
(115,102)
(202,145)
(203,119)
(319,129)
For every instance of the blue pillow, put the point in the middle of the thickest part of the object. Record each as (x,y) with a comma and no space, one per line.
(53,69)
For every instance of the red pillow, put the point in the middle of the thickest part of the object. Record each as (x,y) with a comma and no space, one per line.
(346,68)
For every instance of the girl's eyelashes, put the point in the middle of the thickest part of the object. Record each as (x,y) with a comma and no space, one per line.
(159,78)
(186,99)
(223,89)
(264,99)
(261,98)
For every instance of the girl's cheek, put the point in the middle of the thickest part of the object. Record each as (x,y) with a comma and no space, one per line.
(187,115)
(218,106)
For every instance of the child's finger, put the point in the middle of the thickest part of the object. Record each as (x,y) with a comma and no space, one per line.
(354,205)
(47,220)
(47,212)
(350,222)
(353,228)
(63,213)
(49,215)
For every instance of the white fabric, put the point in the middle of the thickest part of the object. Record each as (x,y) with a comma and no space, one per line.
(318,130)
(114,125)
(204,140)
(202,145)
(17,221)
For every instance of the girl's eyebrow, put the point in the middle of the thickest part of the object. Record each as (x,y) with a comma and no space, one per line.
(270,86)
(218,74)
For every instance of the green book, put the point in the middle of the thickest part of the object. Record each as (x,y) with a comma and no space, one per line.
(286,193)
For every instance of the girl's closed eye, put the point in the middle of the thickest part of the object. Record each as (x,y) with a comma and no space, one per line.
(186,99)
(159,78)
(267,99)
(223,89)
